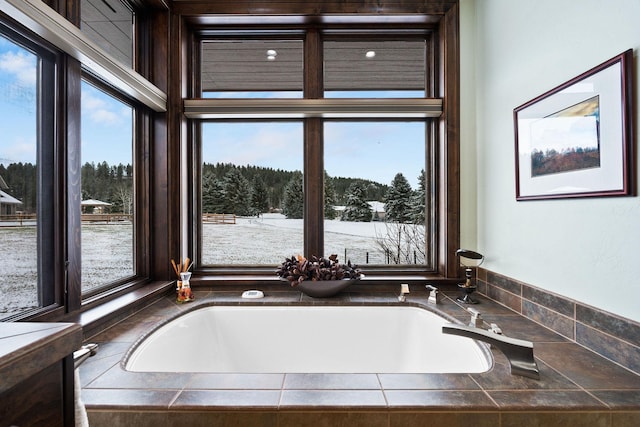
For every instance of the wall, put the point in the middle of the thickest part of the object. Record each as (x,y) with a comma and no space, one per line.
(513,51)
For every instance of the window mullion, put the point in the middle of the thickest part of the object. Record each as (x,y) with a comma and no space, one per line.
(313,184)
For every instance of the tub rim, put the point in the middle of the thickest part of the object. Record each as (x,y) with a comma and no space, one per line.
(485,349)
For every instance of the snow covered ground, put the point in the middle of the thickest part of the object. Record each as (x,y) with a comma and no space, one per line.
(107,251)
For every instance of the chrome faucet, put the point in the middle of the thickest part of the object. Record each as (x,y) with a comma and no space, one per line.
(519,352)
(404,289)
(434,294)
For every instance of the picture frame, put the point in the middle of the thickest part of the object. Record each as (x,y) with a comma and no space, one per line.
(576,139)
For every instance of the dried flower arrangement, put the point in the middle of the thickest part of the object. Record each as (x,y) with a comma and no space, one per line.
(298,269)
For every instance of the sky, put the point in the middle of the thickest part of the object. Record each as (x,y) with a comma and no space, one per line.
(368,150)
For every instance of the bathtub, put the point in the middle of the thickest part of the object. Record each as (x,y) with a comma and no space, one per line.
(307,339)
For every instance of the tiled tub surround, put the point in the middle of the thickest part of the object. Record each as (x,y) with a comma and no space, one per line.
(611,336)
(577,387)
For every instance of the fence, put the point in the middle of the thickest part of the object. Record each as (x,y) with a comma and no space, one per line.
(214,218)
(362,256)
(18,219)
(106,217)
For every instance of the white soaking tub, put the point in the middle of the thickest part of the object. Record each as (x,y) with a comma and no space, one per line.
(307,339)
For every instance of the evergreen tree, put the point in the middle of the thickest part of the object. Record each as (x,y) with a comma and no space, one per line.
(418,208)
(329,198)
(357,208)
(213,194)
(237,193)
(293,199)
(259,196)
(398,201)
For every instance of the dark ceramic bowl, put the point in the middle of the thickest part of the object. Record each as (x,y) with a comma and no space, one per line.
(323,288)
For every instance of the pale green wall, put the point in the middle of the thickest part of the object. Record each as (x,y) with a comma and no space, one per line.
(512,51)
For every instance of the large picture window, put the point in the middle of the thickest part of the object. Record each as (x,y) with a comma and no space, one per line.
(373,186)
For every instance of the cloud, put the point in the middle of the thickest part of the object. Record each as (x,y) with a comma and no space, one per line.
(101,109)
(21,65)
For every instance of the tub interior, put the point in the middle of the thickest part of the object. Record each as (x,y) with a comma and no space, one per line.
(304,339)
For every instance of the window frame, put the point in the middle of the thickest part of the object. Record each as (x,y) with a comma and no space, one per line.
(49,271)
(442,180)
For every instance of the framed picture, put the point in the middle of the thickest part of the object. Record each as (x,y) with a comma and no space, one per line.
(576,139)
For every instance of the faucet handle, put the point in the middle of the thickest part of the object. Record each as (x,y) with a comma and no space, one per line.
(404,289)
(476,318)
(434,295)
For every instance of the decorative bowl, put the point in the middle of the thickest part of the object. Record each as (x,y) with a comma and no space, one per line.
(323,288)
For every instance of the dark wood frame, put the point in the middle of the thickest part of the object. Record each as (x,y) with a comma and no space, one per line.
(624,60)
(190,18)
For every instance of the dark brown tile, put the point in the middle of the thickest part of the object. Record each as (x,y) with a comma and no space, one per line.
(624,329)
(331,382)
(92,369)
(548,300)
(512,301)
(220,418)
(440,419)
(236,381)
(555,321)
(332,419)
(545,400)
(586,368)
(612,348)
(216,399)
(114,418)
(504,283)
(500,377)
(625,419)
(516,326)
(333,398)
(556,419)
(427,382)
(117,378)
(440,400)
(619,399)
(127,399)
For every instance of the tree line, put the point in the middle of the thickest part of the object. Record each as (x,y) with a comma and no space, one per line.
(241,190)
(252,190)
(112,184)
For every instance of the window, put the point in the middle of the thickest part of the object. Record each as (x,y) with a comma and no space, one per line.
(375,212)
(251,69)
(26,191)
(110,24)
(107,179)
(251,182)
(369,168)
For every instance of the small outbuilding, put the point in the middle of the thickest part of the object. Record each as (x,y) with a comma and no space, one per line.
(93,206)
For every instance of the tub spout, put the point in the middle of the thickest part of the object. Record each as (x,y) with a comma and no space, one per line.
(519,352)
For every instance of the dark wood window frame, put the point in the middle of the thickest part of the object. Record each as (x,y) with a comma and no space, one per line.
(442,78)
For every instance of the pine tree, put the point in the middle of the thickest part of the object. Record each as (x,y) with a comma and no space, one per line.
(293,199)
(237,193)
(259,196)
(213,194)
(329,198)
(418,202)
(398,200)
(357,208)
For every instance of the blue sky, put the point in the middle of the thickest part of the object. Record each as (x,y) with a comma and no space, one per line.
(372,150)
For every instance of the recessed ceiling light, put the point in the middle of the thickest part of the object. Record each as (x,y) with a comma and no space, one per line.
(370,54)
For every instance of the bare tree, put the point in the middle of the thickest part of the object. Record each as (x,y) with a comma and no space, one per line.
(402,243)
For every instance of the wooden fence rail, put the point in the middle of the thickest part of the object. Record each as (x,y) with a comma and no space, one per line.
(214,218)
